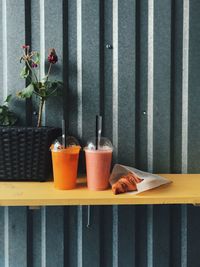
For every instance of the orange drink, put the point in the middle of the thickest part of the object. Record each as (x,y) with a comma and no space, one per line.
(65,166)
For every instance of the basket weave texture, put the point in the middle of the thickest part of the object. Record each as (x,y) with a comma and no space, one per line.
(25,153)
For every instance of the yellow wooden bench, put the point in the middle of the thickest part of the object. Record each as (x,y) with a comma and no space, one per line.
(185,189)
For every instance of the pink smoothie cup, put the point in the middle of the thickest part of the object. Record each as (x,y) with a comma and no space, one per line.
(98,164)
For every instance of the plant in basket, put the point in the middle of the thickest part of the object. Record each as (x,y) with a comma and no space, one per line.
(25,153)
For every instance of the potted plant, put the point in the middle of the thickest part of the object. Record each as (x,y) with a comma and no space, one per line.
(25,151)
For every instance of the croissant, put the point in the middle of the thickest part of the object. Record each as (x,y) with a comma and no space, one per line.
(126,183)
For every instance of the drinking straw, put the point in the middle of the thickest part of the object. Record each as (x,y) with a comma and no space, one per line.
(98,130)
(64,133)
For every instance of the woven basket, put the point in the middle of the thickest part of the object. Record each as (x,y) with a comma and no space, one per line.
(25,154)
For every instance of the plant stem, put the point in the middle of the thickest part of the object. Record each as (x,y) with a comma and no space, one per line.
(32,70)
(49,71)
(42,100)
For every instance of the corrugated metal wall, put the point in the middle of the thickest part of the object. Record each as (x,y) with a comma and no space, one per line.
(123,236)
(137,63)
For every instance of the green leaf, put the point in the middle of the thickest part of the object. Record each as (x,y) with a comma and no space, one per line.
(37,58)
(24,72)
(6,120)
(5,108)
(8,98)
(26,92)
(11,118)
(53,88)
(7,117)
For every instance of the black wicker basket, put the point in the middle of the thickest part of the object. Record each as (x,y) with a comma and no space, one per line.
(25,154)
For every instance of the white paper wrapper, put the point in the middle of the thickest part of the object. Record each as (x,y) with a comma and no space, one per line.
(150,180)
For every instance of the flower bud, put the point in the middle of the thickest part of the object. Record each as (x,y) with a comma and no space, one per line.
(25,46)
(34,65)
(52,57)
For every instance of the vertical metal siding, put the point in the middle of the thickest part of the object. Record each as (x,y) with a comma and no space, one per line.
(108,71)
(150,84)
(141,84)
(53,28)
(126,81)
(162,86)
(176,85)
(193,88)
(146,85)
(185,86)
(117,236)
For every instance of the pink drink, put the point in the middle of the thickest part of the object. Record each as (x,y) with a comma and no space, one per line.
(98,163)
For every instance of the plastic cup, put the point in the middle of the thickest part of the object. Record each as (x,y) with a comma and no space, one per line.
(98,164)
(65,166)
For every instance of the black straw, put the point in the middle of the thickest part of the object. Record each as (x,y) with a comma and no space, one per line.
(64,133)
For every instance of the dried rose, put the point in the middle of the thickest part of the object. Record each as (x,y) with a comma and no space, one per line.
(52,57)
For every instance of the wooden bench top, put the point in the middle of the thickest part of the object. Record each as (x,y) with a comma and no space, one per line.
(185,189)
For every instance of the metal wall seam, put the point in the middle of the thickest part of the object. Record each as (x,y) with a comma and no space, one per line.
(80,236)
(70,36)
(115,78)
(150,236)
(5,51)
(43,237)
(115,236)
(150,94)
(6,237)
(79,67)
(184,152)
(185,86)
(150,85)
(184,236)
(42,49)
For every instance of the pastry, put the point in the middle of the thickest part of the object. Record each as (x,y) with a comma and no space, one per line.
(126,183)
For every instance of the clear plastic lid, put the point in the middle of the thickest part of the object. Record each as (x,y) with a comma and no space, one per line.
(103,144)
(70,142)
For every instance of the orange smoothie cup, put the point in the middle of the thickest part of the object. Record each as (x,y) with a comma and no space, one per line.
(65,166)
